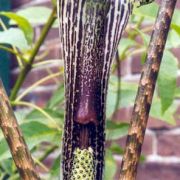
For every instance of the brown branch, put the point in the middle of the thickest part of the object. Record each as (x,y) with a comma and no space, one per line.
(15,140)
(146,90)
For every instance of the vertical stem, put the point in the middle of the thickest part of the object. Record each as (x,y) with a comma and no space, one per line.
(145,91)
(90,35)
(15,140)
(118,98)
(28,66)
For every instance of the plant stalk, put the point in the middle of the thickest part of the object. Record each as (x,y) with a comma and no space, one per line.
(146,90)
(15,139)
(47,153)
(28,66)
(88,49)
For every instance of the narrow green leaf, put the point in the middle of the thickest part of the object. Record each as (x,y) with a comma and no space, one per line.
(167,80)
(14,37)
(57,98)
(23,24)
(37,116)
(145,37)
(36,15)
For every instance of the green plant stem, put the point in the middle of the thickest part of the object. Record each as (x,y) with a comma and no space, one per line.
(48,152)
(28,66)
(46,78)
(118,99)
(11,51)
(132,34)
(118,62)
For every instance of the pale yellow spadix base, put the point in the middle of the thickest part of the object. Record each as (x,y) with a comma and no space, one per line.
(83,164)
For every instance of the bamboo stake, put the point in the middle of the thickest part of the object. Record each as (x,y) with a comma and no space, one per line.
(145,91)
(15,140)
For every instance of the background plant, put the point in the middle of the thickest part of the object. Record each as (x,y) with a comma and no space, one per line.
(42,126)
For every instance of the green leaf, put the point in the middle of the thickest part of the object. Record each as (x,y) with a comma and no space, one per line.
(4,150)
(127,95)
(57,98)
(172,39)
(37,116)
(111,167)
(116,149)
(34,133)
(21,115)
(7,165)
(36,15)
(167,80)
(176,21)
(145,37)
(23,24)
(14,37)
(156,112)
(149,12)
(115,131)
(124,44)
(55,168)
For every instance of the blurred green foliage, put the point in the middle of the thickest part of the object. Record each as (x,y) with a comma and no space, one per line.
(42,127)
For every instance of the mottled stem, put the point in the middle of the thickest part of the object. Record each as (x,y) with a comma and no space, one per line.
(146,90)
(15,140)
